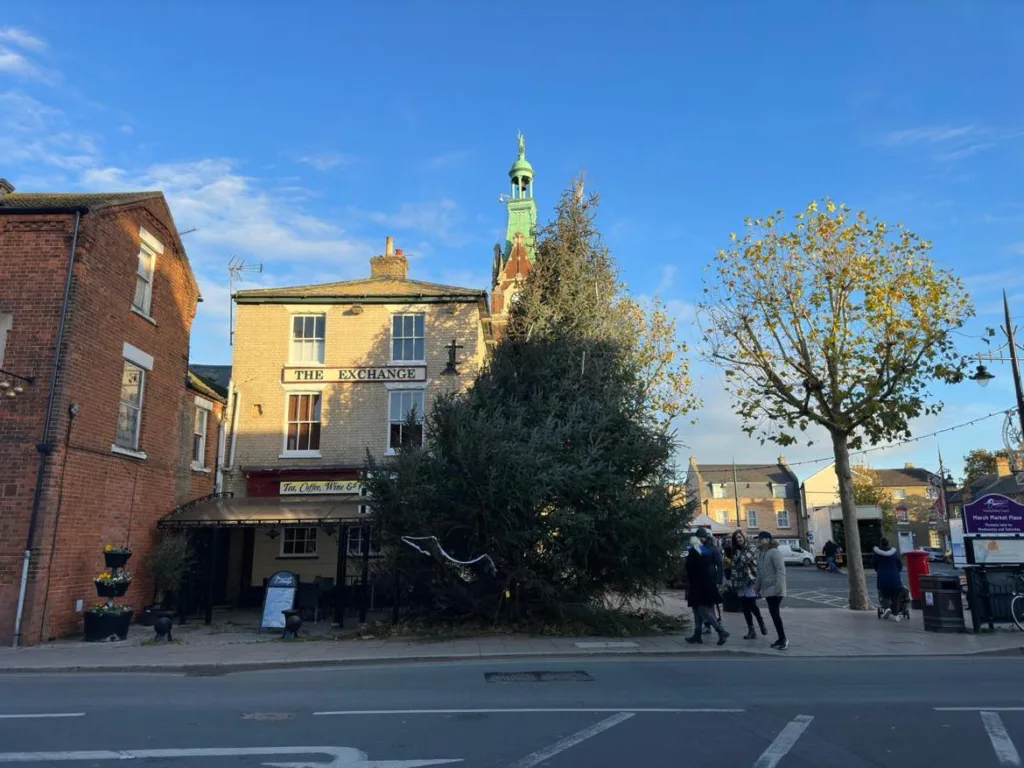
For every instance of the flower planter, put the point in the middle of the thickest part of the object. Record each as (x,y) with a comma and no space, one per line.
(104,627)
(116,559)
(111,588)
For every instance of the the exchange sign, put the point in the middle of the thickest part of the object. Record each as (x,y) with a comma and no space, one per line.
(403,373)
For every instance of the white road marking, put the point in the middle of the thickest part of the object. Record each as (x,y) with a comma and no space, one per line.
(1006,753)
(979,709)
(341,756)
(525,711)
(568,742)
(784,742)
(31,716)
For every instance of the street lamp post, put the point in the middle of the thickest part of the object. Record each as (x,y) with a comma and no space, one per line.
(983,377)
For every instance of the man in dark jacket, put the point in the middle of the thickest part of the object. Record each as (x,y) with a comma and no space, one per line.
(887,564)
(829,551)
(702,590)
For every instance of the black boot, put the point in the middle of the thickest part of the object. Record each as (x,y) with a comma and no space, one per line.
(695,639)
(722,637)
(751,634)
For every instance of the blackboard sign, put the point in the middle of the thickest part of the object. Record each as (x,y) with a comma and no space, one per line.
(280,597)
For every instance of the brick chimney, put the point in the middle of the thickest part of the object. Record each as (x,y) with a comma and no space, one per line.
(391,264)
(1003,466)
(5,188)
(908,465)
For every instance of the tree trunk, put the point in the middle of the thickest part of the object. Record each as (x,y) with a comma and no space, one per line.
(854,562)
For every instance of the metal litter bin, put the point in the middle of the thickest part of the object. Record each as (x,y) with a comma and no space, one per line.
(942,605)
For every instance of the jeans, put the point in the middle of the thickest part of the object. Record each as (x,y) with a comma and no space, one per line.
(773,609)
(750,611)
(705,614)
(832,567)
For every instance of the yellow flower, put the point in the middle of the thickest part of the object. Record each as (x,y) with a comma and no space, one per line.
(108,548)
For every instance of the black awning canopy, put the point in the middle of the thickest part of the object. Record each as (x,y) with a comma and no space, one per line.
(270,512)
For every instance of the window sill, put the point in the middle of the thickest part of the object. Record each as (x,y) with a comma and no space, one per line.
(200,468)
(300,455)
(143,315)
(297,557)
(304,364)
(115,448)
(400,363)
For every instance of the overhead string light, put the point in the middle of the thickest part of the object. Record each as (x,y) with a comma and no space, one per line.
(872,449)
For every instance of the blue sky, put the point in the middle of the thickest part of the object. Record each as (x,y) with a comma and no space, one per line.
(299,136)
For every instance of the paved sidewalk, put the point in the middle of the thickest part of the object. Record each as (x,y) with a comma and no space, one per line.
(813,633)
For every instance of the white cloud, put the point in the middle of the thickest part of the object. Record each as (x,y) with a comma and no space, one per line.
(447,160)
(34,134)
(324,161)
(440,219)
(668,278)
(13,63)
(19,38)
(126,129)
(927,135)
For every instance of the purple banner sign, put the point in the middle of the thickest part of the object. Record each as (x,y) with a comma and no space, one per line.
(994,513)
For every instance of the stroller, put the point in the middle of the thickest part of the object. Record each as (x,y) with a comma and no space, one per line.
(904,605)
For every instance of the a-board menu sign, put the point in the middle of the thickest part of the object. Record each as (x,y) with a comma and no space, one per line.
(281,588)
(994,514)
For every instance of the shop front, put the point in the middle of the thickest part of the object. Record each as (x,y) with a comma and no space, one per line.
(315,524)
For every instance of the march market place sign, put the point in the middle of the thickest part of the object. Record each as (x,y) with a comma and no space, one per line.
(303,487)
(355,375)
(994,513)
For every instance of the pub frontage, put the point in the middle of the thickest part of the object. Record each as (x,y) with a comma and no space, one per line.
(321,375)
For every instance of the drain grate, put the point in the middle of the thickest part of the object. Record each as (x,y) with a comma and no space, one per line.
(538,677)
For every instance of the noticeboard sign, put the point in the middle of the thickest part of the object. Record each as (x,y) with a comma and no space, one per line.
(280,597)
(994,514)
(997,551)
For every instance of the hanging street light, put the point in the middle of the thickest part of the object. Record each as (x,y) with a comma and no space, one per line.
(13,390)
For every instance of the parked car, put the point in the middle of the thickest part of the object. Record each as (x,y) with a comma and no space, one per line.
(795,555)
(935,554)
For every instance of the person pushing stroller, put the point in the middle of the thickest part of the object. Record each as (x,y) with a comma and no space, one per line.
(887,564)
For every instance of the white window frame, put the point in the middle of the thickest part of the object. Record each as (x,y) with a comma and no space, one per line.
(306,540)
(134,356)
(301,454)
(778,519)
(396,360)
(134,446)
(319,358)
(899,494)
(6,323)
(750,520)
(358,551)
(204,408)
(784,487)
(392,390)
(149,249)
(718,490)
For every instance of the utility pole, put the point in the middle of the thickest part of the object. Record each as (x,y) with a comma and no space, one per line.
(942,497)
(736,495)
(1013,364)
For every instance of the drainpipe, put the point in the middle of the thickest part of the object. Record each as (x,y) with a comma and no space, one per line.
(44,448)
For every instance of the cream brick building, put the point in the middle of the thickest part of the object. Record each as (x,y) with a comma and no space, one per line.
(322,374)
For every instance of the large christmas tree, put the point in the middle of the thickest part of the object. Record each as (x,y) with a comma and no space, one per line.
(556,462)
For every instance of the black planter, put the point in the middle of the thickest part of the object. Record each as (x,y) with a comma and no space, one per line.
(104,627)
(113,589)
(116,559)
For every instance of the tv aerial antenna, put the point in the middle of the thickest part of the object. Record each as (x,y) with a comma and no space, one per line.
(236,268)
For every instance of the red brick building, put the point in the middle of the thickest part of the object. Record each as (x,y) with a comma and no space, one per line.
(97,300)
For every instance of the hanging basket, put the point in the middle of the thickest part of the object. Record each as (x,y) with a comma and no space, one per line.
(106,627)
(111,588)
(116,559)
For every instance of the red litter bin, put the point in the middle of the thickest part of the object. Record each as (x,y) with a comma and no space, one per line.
(917,566)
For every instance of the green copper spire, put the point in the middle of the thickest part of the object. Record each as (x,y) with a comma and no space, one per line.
(522,209)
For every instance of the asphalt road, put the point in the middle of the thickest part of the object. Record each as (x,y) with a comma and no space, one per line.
(713,712)
(812,588)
